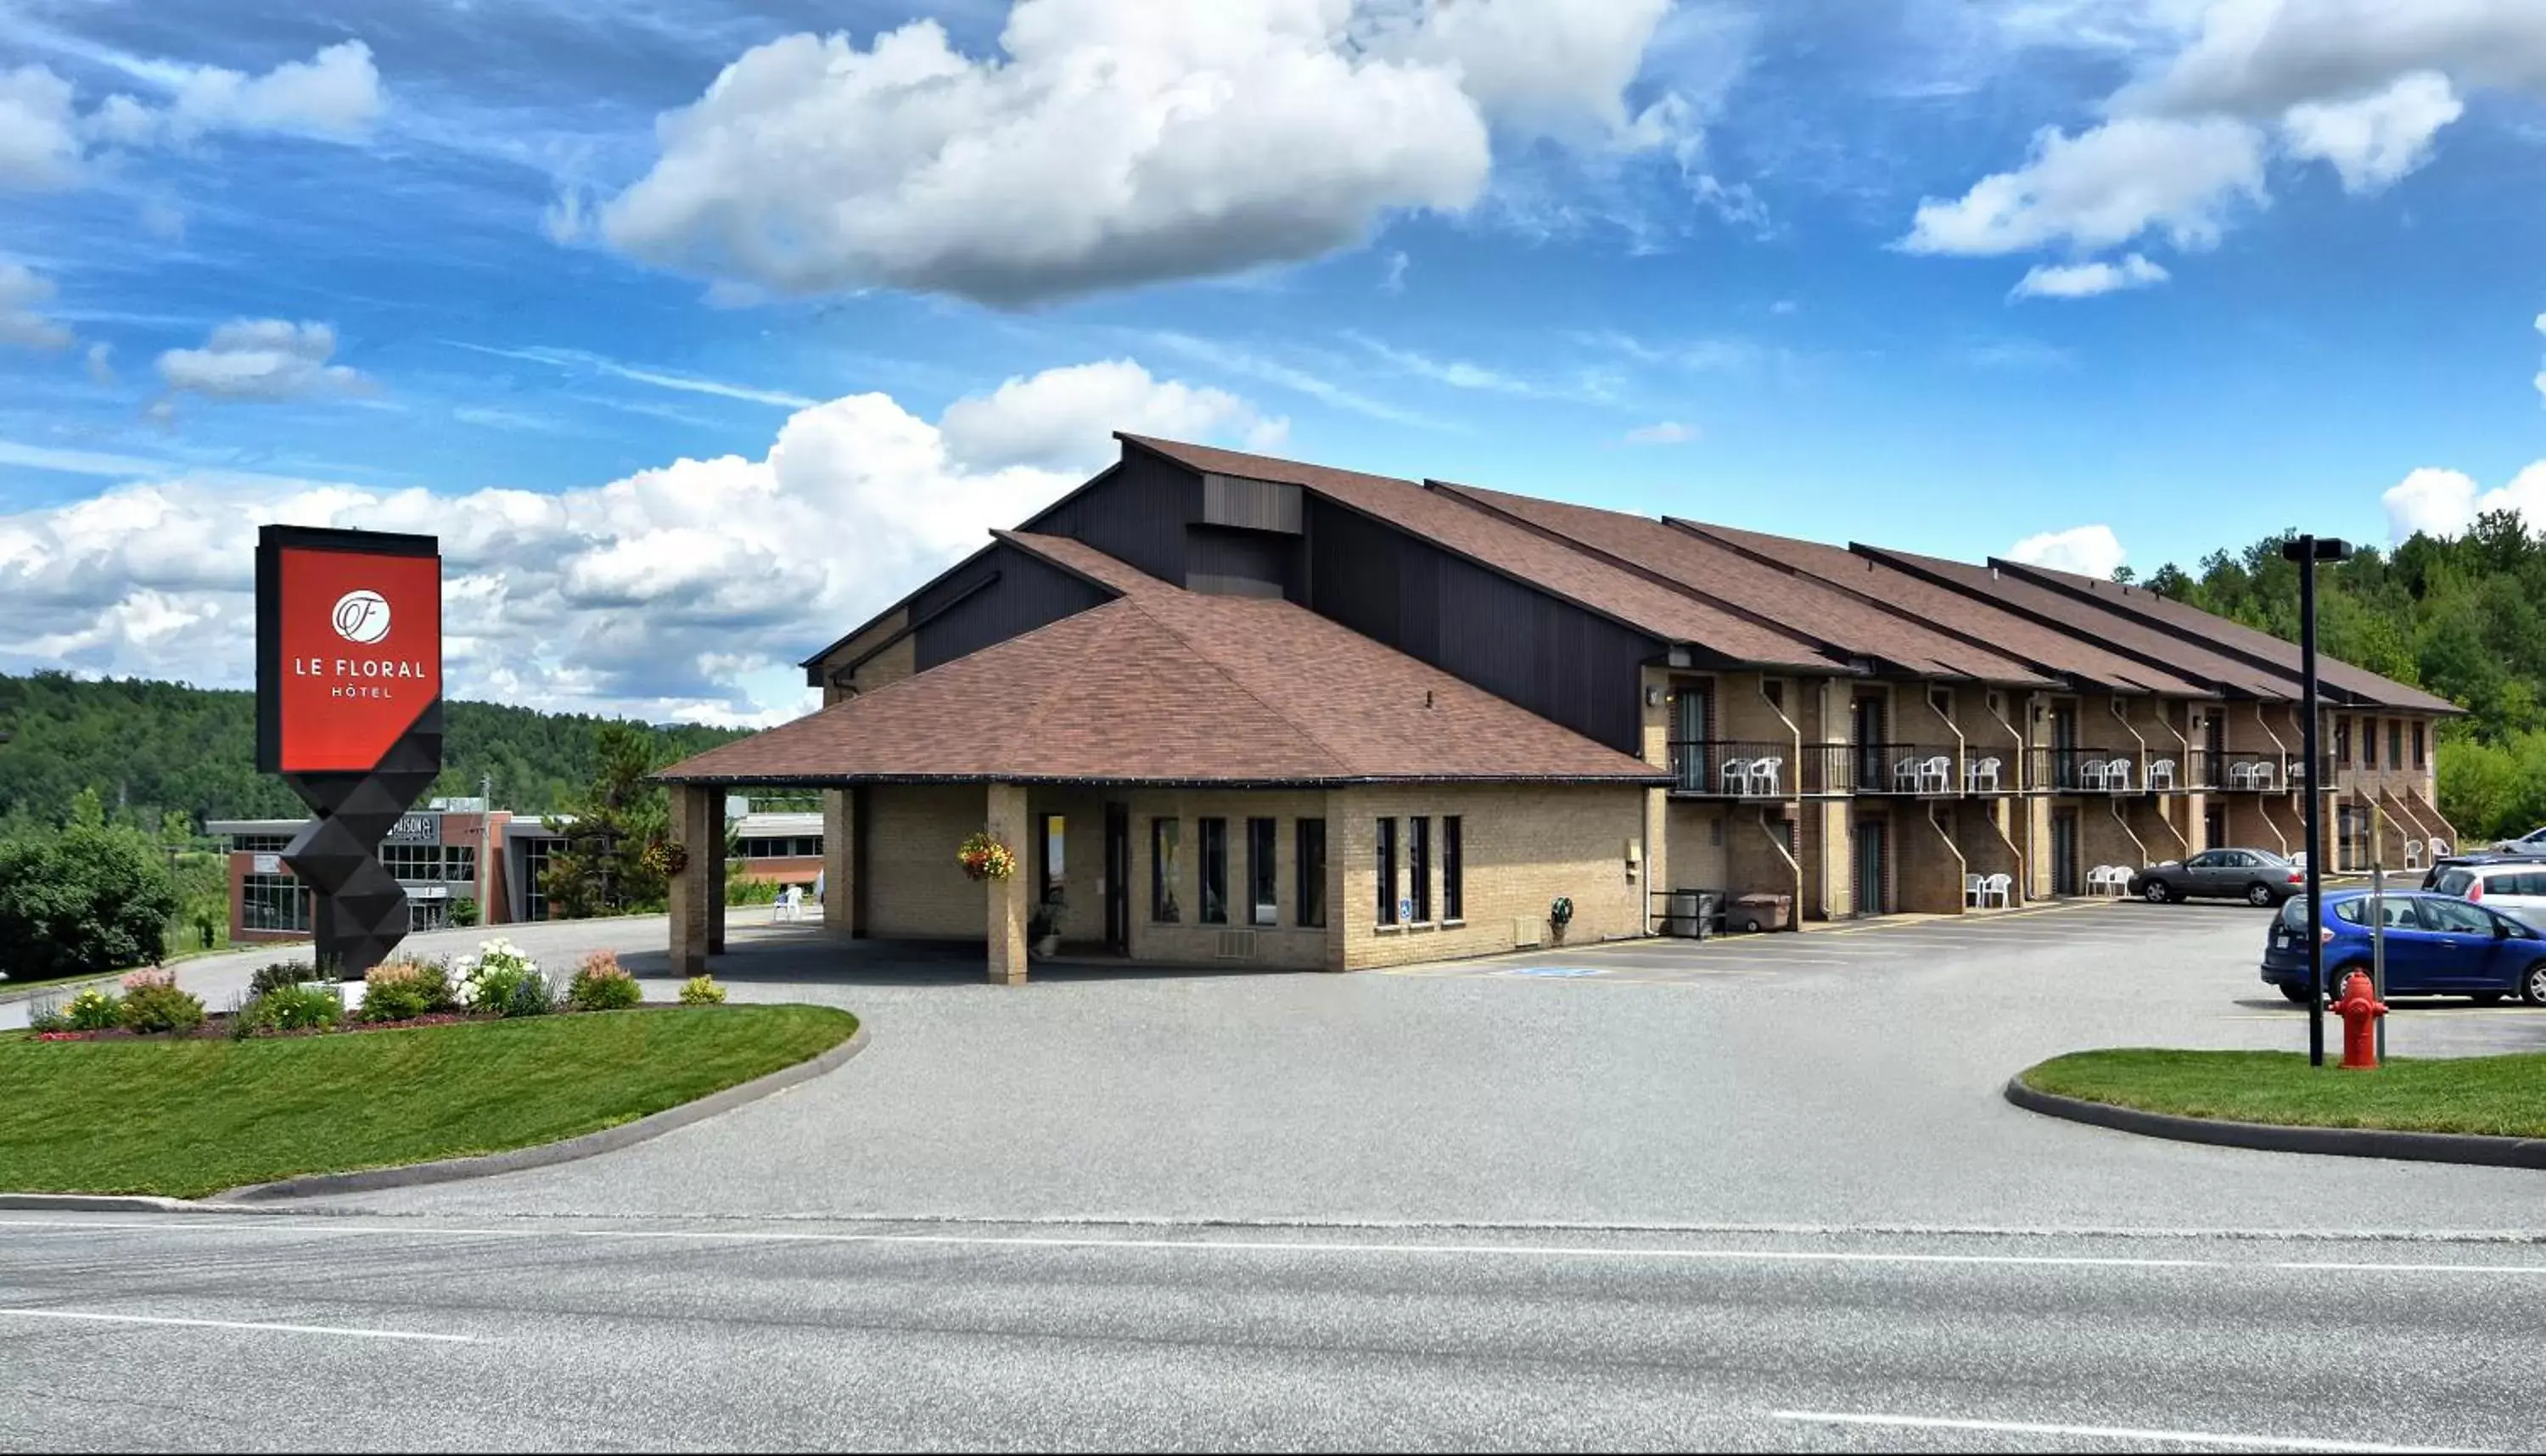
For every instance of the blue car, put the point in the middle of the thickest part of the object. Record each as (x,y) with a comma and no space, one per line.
(2437,945)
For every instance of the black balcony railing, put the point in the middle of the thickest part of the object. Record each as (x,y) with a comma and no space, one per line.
(1932,769)
(1727,768)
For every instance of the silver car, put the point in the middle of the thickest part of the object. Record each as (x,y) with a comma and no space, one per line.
(2259,877)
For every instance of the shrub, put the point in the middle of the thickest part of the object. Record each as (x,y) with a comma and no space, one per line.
(46,1016)
(463,913)
(291,1008)
(155,1004)
(87,897)
(403,990)
(95,1009)
(601,984)
(278,975)
(503,980)
(702,990)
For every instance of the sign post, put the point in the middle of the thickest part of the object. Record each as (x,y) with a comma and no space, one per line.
(2307,550)
(349,715)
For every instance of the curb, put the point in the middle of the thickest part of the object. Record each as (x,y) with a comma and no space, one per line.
(451,1169)
(608,1140)
(2459,1148)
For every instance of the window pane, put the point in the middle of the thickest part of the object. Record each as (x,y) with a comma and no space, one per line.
(2417,745)
(2455,882)
(1387,856)
(1263,875)
(1310,903)
(2454,917)
(1166,872)
(1215,872)
(1418,868)
(1453,855)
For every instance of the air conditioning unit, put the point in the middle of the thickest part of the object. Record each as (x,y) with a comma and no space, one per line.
(1236,945)
(1527,933)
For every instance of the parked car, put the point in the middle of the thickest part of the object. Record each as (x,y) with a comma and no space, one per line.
(2446,863)
(2532,842)
(2436,945)
(2259,877)
(2515,886)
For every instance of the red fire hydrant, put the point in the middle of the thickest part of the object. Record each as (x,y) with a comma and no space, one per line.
(2359,1009)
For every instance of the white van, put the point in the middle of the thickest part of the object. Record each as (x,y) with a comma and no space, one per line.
(2516,888)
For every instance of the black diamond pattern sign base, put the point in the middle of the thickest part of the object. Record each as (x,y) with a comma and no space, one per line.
(362,909)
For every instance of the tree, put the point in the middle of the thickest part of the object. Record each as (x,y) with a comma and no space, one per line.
(88,898)
(601,868)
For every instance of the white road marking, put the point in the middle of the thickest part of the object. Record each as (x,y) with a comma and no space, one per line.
(1328,1247)
(236,1325)
(2102,1432)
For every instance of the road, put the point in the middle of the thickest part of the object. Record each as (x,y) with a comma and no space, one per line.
(338,1334)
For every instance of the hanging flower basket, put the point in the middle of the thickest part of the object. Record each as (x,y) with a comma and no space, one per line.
(985,858)
(666,857)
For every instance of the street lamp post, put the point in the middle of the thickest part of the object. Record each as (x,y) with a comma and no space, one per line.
(2307,550)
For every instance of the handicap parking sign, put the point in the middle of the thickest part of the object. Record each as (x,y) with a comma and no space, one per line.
(1405,910)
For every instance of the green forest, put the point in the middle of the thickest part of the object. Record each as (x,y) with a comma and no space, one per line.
(2463,617)
(149,750)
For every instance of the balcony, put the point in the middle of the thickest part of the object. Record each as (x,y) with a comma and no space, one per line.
(1930,770)
(1726,768)
(2106,771)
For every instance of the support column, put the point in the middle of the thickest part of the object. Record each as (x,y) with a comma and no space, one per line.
(716,881)
(695,821)
(1006,823)
(839,863)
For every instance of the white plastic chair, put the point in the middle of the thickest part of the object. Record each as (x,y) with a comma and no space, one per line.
(2438,847)
(791,904)
(1737,775)
(1981,776)
(1936,774)
(2161,768)
(2117,776)
(2001,886)
(1764,773)
(2264,777)
(2240,775)
(1972,889)
(1905,776)
(2412,854)
(2093,774)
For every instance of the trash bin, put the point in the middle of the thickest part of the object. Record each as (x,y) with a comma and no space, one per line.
(1688,914)
(1762,911)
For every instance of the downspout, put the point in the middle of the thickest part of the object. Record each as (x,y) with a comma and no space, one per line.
(2124,720)
(1962,866)
(1794,735)
(2015,776)
(2118,818)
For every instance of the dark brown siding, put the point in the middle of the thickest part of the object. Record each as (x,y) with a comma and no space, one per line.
(1539,652)
(1024,592)
(1241,564)
(1137,513)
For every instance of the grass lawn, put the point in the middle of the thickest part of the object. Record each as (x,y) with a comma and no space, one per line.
(189,1117)
(2505,1096)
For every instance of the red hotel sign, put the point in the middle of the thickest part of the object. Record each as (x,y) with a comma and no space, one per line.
(349,646)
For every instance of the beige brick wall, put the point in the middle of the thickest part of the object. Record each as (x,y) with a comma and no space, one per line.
(1756,858)
(2105,837)
(1190,940)
(891,664)
(1525,846)
(1929,865)
(1980,833)
(914,888)
(1695,832)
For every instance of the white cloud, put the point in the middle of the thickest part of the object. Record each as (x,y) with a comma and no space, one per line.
(2444,503)
(22,293)
(2376,139)
(47,142)
(1667,432)
(1113,143)
(1392,280)
(2256,57)
(262,358)
(2104,188)
(39,148)
(2088,280)
(687,590)
(101,364)
(2091,551)
(1063,418)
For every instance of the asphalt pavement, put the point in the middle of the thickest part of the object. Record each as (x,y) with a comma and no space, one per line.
(250,1333)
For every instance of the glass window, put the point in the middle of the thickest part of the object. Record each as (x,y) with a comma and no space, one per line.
(1214,844)
(460,863)
(2343,741)
(417,862)
(1167,871)
(273,902)
(2294,912)
(2417,745)
(2527,886)
(2368,742)
(2455,882)
(1418,868)
(2294,915)
(2394,742)
(2454,917)
(1387,857)
(535,874)
(1309,904)
(261,843)
(1263,875)
(1454,897)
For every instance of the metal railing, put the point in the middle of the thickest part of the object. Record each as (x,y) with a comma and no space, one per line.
(1734,768)
(1932,770)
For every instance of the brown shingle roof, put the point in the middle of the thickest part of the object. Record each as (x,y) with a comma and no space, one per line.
(2176,616)
(1851,625)
(2048,648)
(1166,686)
(1550,566)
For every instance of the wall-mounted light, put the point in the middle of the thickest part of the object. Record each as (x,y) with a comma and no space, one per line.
(1653,697)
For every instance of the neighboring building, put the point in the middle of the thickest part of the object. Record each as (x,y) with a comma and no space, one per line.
(458,849)
(1222,658)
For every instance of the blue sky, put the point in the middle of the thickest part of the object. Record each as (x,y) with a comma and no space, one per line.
(693,372)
